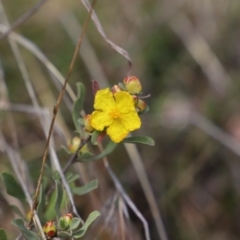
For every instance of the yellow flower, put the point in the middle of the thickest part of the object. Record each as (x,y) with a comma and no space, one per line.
(115,112)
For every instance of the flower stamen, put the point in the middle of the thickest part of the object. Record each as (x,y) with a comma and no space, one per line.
(115,114)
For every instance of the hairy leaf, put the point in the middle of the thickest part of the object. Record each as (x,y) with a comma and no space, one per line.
(78,106)
(12,186)
(91,218)
(86,188)
(140,139)
(109,148)
(74,224)
(28,235)
(59,197)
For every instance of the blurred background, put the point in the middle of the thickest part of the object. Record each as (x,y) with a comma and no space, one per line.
(187,55)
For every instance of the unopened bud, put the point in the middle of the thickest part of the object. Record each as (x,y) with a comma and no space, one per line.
(141,105)
(135,99)
(87,123)
(132,85)
(49,229)
(65,221)
(116,89)
(74,144)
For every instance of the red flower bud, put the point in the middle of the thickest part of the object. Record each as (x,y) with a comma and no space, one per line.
(132,84)
(49,229)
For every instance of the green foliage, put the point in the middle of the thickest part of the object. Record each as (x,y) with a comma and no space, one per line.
(17,211)
(59,197)
(91,218)
(86,188)
(3,235)
(28,235)
(108,149)
(12,186)
(74,224)
(96,137)
(41,201)
(71,177)
(140,139)
(78,106)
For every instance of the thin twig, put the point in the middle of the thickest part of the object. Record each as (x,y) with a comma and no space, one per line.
(56,107)
(22,19)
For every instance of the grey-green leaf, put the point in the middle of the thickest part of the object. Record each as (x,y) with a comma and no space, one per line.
(140,139)
(3,235)
(17,211)
(59,197)
(41,201)
(78,106)
(28,235)
(12,186)
(86,188)
(75,223)
(91,218)
(109,148)
(64,234)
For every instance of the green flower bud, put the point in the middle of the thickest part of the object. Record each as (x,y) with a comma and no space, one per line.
(73,144)
(65,221)
(49,229)
(132,84)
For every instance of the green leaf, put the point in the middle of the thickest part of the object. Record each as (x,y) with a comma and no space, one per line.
(97,137)
(78,106)
(3,235)
(41,201)
(17,211)
(27,234)
(56,176)
(110,147)
(70,177)
(86,188)
(59,197)
(12,186)
(75,223)
(81,121)
(66,150)
(91,218)
(64,234)
(140,139)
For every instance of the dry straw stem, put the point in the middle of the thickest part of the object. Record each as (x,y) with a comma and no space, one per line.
(56,107)
(201,53)
(23,19)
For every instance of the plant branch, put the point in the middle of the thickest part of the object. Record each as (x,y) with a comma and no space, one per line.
(56,107)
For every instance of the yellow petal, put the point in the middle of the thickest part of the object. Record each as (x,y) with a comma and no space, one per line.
(104,100)
(117,131)
(100,120)
(131,120)
(124,102)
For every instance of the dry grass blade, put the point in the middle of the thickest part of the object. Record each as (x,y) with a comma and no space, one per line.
(23,19)
(202,53)
(103,34)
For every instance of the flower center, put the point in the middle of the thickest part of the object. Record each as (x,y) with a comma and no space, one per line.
(114,114)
